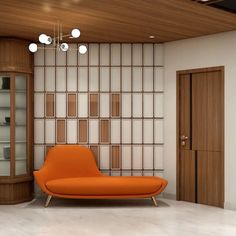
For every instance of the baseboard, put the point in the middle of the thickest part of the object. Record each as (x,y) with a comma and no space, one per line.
(230,206)
(169,196)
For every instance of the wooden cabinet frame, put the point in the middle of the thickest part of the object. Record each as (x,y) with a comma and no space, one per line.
(18,188)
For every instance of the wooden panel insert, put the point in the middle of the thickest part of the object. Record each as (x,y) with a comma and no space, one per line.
(208,90)
(83,131)
(13,193)
(209,178)
(215,139)
(93,105)
(61,131)
(48,147)
(50,101)
(187,176)
(14,56)
(104,130)
(115,103)
(95,151)
(200,111)
(115,153)
(72,105)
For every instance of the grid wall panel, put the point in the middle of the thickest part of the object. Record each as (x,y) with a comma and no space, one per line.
(60,79)
(38,79)
(72,55)
(115,54)
(72,131)
(83,79)
(38,156)
(50,131)
(82,131)
(126,157)
(60,58)
(109,99)
(104,104)
(39,131)
(50,57)
(126,79)
(39,103)
(72,79)
(104,79)
(39,58)
(93,78)
(104,54)
(61,105)
(50,78)
(49,105)
(82,58)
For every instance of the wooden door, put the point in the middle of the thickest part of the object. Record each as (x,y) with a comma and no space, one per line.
(201,136)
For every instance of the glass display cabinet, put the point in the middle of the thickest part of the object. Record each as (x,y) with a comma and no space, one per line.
(16,139)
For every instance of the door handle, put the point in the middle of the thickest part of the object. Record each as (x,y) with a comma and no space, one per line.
(183,139)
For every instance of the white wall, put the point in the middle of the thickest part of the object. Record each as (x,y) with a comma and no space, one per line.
(207,51)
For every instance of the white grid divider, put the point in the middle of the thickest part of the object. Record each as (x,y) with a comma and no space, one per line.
(58,69)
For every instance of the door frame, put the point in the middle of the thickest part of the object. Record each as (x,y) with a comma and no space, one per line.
(188,71)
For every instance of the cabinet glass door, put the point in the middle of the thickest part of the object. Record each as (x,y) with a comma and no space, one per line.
(5,120)
(20,124)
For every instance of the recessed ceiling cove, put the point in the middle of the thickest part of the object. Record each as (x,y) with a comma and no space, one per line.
(226,5)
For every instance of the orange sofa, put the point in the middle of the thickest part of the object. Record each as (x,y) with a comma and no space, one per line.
(70,171)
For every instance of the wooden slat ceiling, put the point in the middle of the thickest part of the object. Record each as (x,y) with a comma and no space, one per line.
(114,20)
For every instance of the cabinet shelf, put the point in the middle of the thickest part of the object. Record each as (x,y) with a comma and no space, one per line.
(16,125)
(17,159)
(7,142)
(17,108)
(7,91)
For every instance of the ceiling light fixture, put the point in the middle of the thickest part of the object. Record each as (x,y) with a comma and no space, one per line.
(55,41)
(151,36)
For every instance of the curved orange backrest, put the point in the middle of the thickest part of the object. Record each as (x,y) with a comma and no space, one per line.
(70,161)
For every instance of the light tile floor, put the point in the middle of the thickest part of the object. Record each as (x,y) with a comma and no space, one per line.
(116,218)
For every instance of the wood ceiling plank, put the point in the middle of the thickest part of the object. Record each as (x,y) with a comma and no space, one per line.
(114,21)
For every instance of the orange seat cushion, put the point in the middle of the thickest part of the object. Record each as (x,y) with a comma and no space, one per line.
(92,186)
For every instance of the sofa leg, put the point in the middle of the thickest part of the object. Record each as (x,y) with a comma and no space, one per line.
(48,200)
(154,201)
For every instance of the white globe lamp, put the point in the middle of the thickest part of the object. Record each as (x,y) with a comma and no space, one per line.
(75,33)
(33,47)
(49,40)
(64,47)
(82,49)
(43,38)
